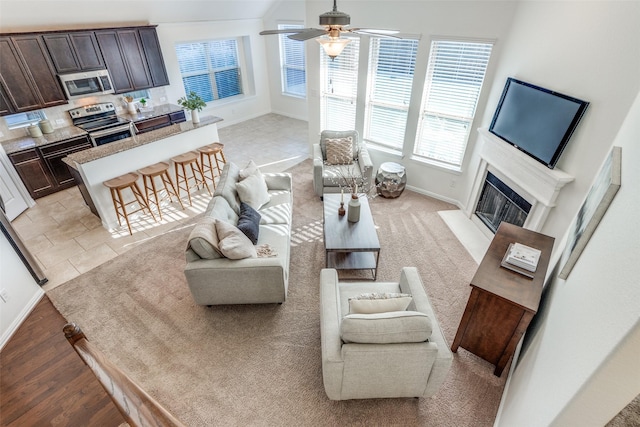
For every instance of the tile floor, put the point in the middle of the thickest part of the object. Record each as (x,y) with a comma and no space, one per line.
(67,239)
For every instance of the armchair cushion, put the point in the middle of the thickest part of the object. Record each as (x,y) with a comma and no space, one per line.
(378,302)
(340,151)
(386,328)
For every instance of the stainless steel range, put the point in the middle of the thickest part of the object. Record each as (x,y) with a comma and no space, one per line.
(102,123)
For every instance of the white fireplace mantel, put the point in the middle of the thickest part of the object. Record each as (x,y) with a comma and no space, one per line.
(535,182)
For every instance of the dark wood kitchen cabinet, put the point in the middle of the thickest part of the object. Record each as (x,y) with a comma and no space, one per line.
(151,47)
(42,170)
(27,77)
(33,172)
(53,155)
(74,52)
(125,59)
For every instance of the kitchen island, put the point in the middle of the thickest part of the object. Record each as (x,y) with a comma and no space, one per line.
(94,166)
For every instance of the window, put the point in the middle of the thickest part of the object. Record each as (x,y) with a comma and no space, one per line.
(455,74)
(211,69)
(391,67)
(294,76)
(20,120)
(339,89)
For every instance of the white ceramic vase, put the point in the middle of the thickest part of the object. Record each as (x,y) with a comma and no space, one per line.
(195,117)
(353,213)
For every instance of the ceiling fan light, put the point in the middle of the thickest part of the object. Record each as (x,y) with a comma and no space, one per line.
(333,46)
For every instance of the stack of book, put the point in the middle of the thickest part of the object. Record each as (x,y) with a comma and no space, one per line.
(522,259)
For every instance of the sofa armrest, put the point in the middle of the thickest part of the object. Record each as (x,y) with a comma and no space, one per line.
(411,283)
(365,163)
(330,317)
(278,181)
(318,170)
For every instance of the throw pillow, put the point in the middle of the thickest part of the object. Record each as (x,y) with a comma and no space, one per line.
(376,302)
(233,243)
(203,239)
(339,151)
(250,169)
(386,328)
(253,191)
(249,222)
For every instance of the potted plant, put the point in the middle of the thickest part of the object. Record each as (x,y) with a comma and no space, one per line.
(193,103)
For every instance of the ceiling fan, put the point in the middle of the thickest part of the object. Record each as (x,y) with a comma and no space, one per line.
(334,23)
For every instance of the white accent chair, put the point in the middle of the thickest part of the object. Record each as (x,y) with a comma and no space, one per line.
(327,178)
(383,355)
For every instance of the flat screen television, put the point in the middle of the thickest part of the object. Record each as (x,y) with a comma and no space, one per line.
(535,120)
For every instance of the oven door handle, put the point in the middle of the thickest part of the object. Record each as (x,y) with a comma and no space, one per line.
(109,131)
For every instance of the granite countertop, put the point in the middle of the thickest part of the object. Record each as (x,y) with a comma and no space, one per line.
(28,142)
(101,151)
(151,112)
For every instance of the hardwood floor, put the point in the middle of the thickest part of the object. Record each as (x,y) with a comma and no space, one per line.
(44,382)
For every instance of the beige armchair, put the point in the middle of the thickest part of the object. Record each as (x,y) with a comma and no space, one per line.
(390,354)
(327,177)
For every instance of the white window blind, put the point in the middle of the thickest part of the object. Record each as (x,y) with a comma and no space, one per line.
(391,69)
(211,69)
(455,74)
(292,64)
(339,79)
(19,120)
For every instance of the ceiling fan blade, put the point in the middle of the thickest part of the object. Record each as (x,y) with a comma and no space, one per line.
(385,33)
(308,34)
(288,31)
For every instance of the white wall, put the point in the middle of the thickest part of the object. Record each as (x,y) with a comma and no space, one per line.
(21,288)
(586,49)
(283,12)
(255,101)
(581,366)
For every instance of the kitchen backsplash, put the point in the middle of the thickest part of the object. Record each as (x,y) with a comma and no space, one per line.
(59,117)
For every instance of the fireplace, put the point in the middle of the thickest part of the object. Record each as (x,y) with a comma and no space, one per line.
(510,186)
(498,203)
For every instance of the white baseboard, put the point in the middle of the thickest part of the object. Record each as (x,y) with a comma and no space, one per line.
(26,310)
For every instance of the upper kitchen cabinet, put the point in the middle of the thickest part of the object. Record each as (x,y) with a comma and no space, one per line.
(27,77)
(151,48)
(133,57)
(74,52)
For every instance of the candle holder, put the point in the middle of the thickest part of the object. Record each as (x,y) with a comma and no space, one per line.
(341,210)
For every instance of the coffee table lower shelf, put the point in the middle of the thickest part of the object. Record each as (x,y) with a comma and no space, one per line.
(342,260)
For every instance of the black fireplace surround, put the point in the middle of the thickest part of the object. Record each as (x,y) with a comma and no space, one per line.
(498,203)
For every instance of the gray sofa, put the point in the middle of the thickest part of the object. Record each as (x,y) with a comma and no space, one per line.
(385,354)
(214,279)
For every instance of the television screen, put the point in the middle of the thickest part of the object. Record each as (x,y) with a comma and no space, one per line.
(537,121)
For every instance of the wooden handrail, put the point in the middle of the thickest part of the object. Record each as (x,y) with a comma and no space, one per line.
(136,406)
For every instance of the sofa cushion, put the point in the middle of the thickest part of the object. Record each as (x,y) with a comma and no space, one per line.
(339,151)
(203,239)
(253,191)
(386,328)
(249,222)
(227,185)
(232,242)
(378,302)
(250,169)
(219,208)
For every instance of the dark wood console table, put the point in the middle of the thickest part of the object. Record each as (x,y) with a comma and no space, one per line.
(502,302)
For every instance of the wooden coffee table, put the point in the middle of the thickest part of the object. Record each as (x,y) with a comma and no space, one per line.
(350,245)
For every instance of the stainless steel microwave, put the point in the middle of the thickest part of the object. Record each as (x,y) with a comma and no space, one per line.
(88,83)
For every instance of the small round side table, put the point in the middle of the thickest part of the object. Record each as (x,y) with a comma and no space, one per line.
(391,180)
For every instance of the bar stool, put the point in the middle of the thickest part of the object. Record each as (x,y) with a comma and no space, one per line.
(181,162)
(149,174)
(214,150)
(116,186)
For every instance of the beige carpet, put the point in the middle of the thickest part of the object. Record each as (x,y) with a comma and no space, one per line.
(260,365)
